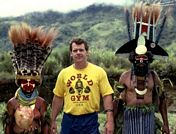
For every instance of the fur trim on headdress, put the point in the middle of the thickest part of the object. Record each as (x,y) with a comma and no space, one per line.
(32,46)
(145,17)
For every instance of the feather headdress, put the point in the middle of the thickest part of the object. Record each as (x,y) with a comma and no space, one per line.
(32,46)
(145,17)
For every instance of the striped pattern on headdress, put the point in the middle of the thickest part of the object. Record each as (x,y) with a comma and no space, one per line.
(32,46)
(145,18)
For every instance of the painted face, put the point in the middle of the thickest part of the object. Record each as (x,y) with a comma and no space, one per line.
(141,58)
(28,85)
(141,65)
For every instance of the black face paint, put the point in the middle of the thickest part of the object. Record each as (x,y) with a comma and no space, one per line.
(141,65)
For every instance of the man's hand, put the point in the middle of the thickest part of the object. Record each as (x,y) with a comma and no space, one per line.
(109,127)
(53,127)
(165,129)
(34,126)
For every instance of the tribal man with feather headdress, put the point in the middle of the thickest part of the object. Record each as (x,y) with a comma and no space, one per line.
(141,93)
(26,110)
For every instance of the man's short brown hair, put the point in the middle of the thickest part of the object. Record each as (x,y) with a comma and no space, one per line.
(79,41)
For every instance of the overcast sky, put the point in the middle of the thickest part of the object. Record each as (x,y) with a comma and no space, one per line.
(21,7)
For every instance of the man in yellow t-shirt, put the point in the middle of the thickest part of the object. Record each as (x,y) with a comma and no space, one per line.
(78,90)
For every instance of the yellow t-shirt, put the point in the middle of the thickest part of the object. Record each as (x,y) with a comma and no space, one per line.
(82,88)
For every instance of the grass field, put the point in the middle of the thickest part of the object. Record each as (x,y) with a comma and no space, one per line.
(172,120)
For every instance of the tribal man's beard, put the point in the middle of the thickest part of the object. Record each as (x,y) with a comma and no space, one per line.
(140,70)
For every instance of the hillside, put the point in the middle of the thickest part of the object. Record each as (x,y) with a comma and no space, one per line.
(101,25)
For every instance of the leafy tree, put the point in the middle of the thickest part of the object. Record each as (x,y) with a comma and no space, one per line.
(5,63)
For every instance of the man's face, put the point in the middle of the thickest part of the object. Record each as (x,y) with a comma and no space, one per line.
(141,65)
(28,85)
(79,53)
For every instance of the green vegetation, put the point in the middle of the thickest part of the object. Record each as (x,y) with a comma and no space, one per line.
(102,117)
(104,28)
(113,64)
(101,25)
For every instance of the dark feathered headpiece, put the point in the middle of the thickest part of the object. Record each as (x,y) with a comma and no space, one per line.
(32,46)
(145,17)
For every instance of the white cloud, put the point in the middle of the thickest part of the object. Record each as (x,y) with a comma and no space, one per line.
(20,7)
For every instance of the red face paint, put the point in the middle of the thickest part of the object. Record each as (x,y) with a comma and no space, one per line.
(28,85)
(141,58)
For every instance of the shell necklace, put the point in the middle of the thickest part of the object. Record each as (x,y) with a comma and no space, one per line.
(140,86)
